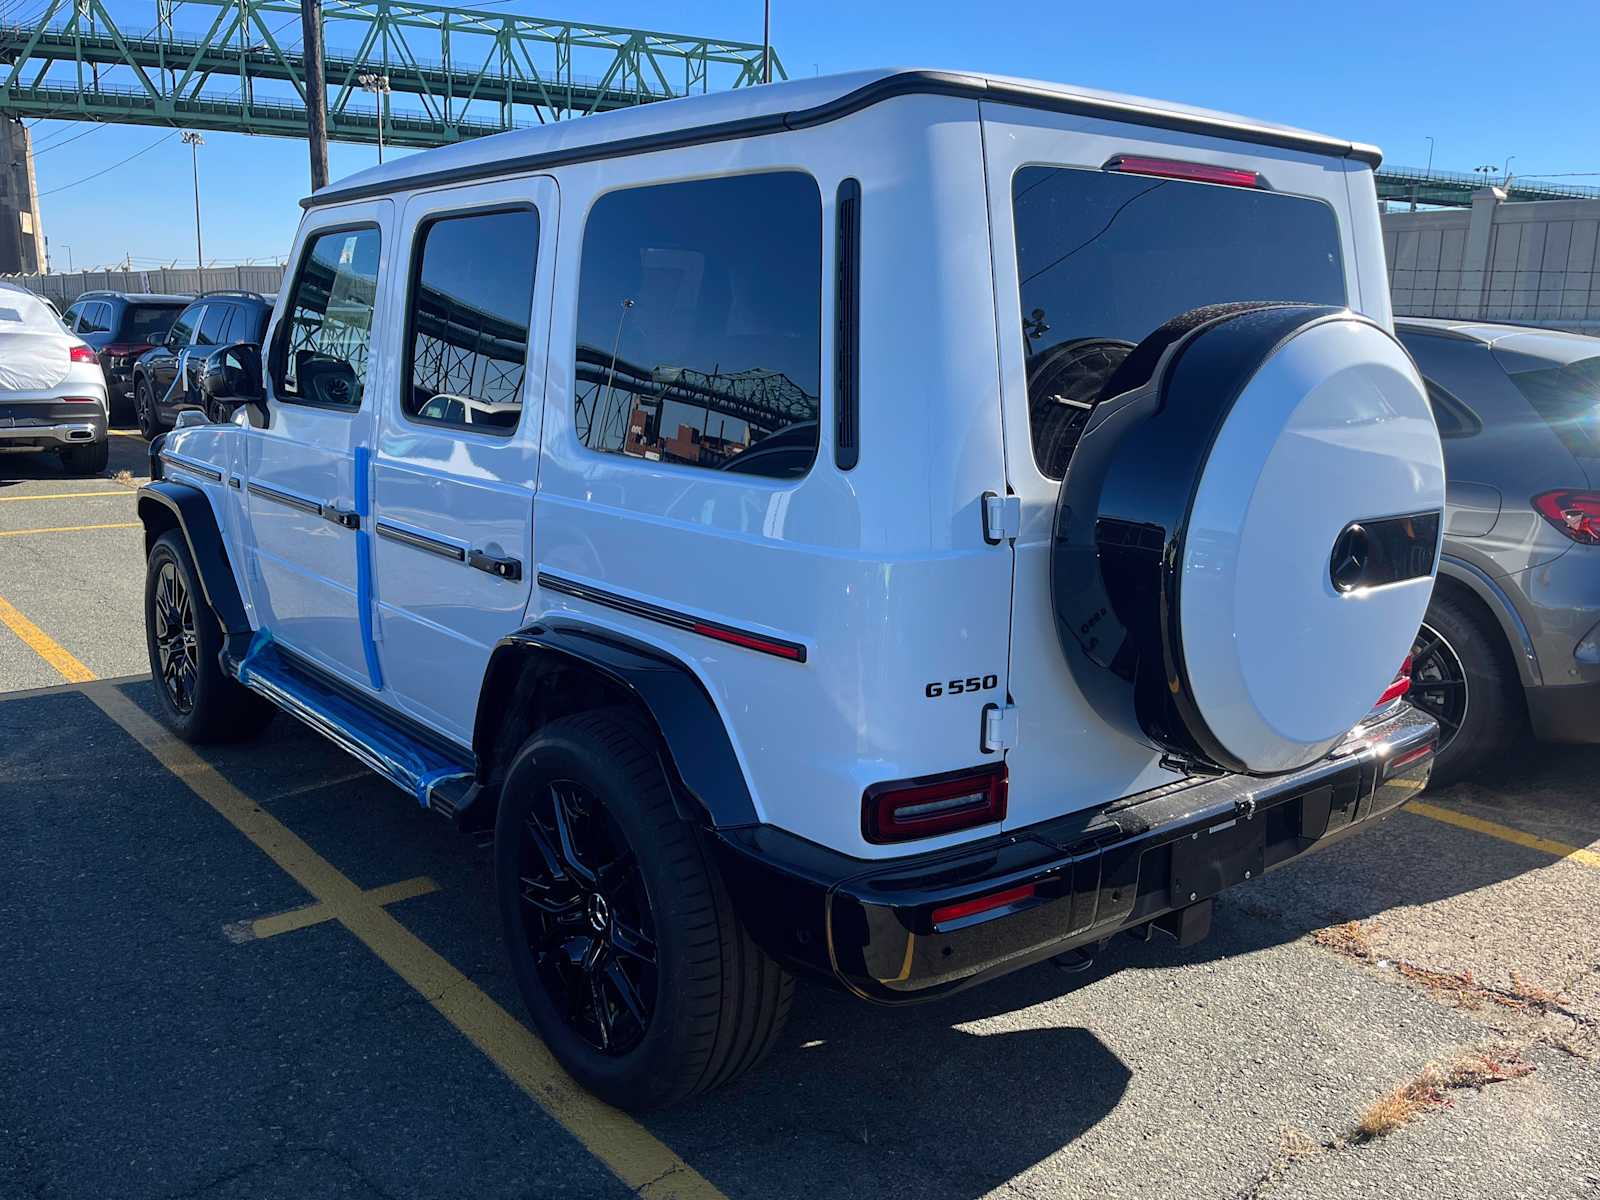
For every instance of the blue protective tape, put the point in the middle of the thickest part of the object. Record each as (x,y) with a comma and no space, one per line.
(259,645)
(363,459)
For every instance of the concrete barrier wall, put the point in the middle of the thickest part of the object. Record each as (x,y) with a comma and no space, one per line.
(1530,263)
(65,288)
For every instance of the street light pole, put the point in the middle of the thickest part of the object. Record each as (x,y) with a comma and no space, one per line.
(194,141)
(1430,156)
(378,85)
(1505,172)
(766,41)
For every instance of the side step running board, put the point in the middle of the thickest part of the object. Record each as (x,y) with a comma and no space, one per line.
(435,778)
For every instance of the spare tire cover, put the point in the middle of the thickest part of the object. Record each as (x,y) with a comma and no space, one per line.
(1248,532)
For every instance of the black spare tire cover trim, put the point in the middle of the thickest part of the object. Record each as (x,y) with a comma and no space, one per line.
(1124,509)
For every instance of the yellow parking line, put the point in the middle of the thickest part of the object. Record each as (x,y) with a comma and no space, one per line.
(308,915)
(69,528)
(631,1152)
(1505,833)
(66,496)
(45,646)
(125,433)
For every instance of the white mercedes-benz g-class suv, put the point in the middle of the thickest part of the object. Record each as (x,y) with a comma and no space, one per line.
(898,527)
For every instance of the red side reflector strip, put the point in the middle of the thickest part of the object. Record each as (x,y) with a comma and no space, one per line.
(1169,168)
(1410,756)
(970,908)
(749,641)
(78,400)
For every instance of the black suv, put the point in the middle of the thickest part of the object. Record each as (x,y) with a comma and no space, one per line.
(166,378)
(120,326)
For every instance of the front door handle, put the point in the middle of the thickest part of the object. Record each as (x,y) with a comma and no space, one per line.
(500,566)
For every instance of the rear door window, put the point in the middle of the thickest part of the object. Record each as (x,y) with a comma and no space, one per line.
(95,317)
(214,324)
(1104,259)
(1568,398)
(471,296)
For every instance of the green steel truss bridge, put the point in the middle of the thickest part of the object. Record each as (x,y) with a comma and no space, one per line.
(235,66)
(1453,189)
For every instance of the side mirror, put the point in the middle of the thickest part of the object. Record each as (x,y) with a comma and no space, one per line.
(232,375)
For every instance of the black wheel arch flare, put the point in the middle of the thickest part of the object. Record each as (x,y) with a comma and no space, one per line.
(167,504)
(695,749)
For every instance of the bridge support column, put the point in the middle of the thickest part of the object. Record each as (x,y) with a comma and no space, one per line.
(1475,266)
(21,234)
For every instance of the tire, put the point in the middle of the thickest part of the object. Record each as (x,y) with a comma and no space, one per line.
(198,701)
(144,409)
(1462,677)
(91,459)
(712,1002)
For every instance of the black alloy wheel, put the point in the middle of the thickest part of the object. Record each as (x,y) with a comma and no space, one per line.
(1439,683)
(144,409)
(589,922)
(177,644)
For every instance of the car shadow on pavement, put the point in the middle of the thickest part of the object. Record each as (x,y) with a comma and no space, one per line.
(922,1096)
(129,454)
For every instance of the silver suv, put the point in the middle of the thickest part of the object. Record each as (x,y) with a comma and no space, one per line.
(1514,625)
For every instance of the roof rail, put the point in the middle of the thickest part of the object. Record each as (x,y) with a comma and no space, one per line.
(233,292)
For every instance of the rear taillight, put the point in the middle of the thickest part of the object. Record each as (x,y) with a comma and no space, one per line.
(1171,168)
(982,904)
(126,349)
(919,808)
(1576,514)
(1400,686)
(84,354)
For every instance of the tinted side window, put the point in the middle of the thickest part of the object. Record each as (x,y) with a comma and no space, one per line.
(214,323)
(94,316)
(146,322)
(182,331)
(471,293)
(1568,398)
(699,324)
(70,317)
(1104,259)
(320,355)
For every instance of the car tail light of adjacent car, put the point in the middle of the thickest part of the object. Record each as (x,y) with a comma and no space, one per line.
(83,354)
(1400,686)
(1171,168)
(917,808)
(1575,514)
(122,354)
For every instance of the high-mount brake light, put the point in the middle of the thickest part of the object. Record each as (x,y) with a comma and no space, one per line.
(1400,686)
(1576,514)
(84,354)
(983,904)
(919,808)
(1172,168)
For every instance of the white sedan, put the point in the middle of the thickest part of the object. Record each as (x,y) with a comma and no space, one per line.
(52,391)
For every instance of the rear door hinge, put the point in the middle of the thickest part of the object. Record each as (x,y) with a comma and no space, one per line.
(999,728)
(1002,517)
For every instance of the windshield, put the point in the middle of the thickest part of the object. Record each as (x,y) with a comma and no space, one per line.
(148,322)
(1104,259)
(1568,398)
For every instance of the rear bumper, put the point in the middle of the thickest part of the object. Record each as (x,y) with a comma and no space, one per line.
(1565,714)
(51,423)
(1095,873)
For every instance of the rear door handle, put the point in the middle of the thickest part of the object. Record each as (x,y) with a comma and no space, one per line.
(496,565)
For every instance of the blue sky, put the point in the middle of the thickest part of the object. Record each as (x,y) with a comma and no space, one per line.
(1484,80)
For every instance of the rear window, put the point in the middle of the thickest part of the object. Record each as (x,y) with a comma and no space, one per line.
(147,322)
(1568,398)
(1104,259)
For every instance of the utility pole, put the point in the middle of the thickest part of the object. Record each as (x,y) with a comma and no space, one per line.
(378,85)
(194,141)
(766,42)
(316,91)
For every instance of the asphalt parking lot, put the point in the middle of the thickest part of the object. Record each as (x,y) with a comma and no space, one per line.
(260,971)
